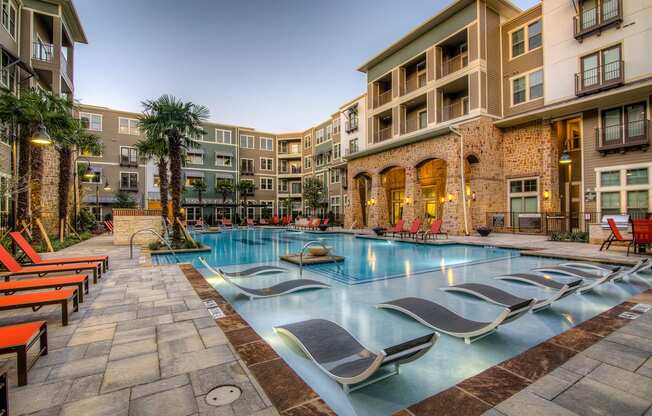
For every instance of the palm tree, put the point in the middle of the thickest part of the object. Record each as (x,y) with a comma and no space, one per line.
(200,187)
(245,188)
(179,122)
(14,113)
(155,147)
(224,187)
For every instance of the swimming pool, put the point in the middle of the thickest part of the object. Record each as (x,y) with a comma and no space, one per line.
(366,259)
(352,306)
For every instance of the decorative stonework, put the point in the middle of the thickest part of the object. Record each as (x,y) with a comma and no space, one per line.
(50,190)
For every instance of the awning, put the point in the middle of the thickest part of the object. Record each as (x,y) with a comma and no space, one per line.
(197,151)
(194,173)
(223,175)
(218,153)
(18,62)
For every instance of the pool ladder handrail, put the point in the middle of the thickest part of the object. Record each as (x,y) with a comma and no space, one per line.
(305,246)
(153,231)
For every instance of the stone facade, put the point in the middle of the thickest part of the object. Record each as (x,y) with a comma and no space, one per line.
(125,225)
(50,192)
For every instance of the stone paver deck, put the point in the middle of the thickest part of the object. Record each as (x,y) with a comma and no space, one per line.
(142,343)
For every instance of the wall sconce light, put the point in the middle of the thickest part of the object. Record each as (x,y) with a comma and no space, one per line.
(371,202)
(450,197)
(443,199)
(546,194)
(473,196)
(408,200)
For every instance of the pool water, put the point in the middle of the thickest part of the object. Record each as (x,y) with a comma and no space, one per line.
(415,271)
(366,259)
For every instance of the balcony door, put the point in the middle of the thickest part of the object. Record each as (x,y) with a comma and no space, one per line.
(635,121)
(398,197)
(589,14)
(611,64)
(590,70)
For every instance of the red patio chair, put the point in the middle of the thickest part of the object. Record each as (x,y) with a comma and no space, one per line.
(275,220)
(37,300)
(642,233)
(414,228)
(435,230)
(226,222)
(55,282)
(615,236)
(19,339)
(34,257)
(398,228)
(250,222)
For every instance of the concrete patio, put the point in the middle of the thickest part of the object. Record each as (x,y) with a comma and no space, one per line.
(142,343)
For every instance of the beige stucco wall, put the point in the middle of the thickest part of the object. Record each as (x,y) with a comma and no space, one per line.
(125,226)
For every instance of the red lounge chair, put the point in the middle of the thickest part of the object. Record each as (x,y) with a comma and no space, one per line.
(414,228)
(250,222)
(285,220)
(37,260)
(314,224)
(19,339)
(55,282)
(15,269)
(642,231)
(615,236)
(39,299)
(275,220)
(226,222)
(434,230)
(398,228)
(325,222)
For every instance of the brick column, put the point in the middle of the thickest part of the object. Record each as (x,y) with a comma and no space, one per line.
(379,212)
(413,194)
(453,214)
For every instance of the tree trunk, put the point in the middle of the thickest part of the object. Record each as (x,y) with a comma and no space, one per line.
(65,163)
(36,187)
(163,185)
(175,185)
(22,183)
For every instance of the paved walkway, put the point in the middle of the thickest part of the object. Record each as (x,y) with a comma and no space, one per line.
(141,344)
(612,377)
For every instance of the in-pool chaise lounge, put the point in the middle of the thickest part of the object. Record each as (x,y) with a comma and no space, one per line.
(279,289)
(543,281)
(337,353)
(34,257)
(439,318)
(253,271)
(15,269)
(578,273)
(642,265)
(500,297)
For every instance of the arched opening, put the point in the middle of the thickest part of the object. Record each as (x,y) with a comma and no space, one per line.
(363,188)
(431,174)
(471,167)
(393,180)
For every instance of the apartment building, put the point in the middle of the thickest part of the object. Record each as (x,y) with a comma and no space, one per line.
(294,154)
(258,164)
(37,41)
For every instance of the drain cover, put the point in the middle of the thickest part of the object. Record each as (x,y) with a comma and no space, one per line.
(222,395)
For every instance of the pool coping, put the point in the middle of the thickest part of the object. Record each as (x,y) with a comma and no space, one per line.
(292,396)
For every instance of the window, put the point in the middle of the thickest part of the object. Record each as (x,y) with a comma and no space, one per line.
(195,158)
(129,181)
(295,187)
(518,91)
(283,185)
(353,145)
(336,126)
(7,76)
(637,176)
(267,210)
(423,119)
(128,126)
(266,144)
(157,181)
(319,136)
(128,156)
(295,148)
(611,178)
(247,142)
(307,162)
(610,203)
(629,121)
(96,178)
(266,184)
(335,176)
(337,152)
(247,166)
(518,42)
(329,132)
(223,160)
(534,35)
(223,136)
(266,163)
(527,87)
(192,179)
(523,197)
(9,17)
(335,205)
(91,121)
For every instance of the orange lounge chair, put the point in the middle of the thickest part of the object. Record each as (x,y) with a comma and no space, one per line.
(55,282)
(275,220)
(398,228)
(19,339)
(15,269)
(615,236)
(434,230)
(37,260)
(37,300)
(642,232)
(414,228)
(314,224)
(226,222)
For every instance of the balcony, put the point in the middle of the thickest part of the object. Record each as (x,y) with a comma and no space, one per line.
(292,170)
(43,52)
(383,134)
(414,75)
(351,125)
(620,137)
(595,20)
(600,78)
(454,64)
(382,91)
(383,98)
(454,54)
(455,109)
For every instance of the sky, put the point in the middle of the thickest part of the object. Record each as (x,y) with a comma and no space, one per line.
(274,65)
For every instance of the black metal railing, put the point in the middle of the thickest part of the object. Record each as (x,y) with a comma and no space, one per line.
(600,78)
(544,223)
(351,125)
(43,52)
(595,19)
(624,135)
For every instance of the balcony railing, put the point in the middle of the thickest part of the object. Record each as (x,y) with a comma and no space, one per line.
(351,150)
(128,187)
(594,20)
(414,83)
(383,134)
(351,125)
(383,98)
(600,78)
(247,172)
(64,65)
(455,63)
(455,110)
(43,52)
(412,126)
(126,162)
(291,171)
(623,136)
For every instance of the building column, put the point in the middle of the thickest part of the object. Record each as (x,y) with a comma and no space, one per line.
(379,211)
(412,207)
(550,169)
(453,210)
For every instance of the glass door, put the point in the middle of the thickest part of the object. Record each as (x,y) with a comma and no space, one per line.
(590,73)
(398,196)
(635,121)
(611,64)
